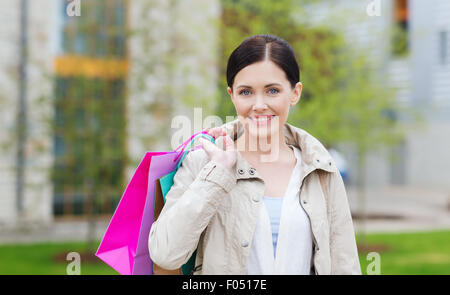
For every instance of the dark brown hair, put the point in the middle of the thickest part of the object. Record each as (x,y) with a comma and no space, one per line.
(254,49)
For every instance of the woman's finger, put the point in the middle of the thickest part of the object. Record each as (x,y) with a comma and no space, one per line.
(229,144)
(216,132)
(208,146)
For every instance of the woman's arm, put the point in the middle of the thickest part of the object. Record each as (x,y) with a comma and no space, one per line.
(343,249)
(190,204)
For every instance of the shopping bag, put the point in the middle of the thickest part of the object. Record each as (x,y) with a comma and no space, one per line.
(162,187)
(125,243)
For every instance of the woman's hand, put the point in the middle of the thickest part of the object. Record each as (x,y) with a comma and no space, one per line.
(226,157)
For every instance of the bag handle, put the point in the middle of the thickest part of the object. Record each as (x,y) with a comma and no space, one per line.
(187,141)
(184,145)
(191,141)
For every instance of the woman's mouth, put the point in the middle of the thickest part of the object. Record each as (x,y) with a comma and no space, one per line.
(261,119)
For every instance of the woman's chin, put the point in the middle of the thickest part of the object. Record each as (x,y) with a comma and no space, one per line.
(262,135)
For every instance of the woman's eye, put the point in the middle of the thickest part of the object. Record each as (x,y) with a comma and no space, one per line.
(275,91)
(247,92)
(243,91)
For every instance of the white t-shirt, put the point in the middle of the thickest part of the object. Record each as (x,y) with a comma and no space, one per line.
(291,252)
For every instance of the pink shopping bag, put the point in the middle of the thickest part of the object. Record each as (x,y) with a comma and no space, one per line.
(124,246)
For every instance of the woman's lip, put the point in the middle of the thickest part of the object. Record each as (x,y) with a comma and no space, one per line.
(263,122)
(262,116)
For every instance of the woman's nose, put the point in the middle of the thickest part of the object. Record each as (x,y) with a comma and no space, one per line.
(259,104)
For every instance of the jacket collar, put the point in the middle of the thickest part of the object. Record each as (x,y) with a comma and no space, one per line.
(314,155)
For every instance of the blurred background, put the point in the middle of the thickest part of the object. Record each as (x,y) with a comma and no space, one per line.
(88,86)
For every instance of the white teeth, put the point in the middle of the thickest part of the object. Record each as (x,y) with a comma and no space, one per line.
(261,119)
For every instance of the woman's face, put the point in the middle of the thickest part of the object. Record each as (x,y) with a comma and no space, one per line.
(262,96)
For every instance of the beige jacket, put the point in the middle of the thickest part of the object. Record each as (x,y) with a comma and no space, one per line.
(214,210)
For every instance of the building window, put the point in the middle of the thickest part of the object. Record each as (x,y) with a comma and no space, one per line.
(400,36)
(99,31)
(89,120)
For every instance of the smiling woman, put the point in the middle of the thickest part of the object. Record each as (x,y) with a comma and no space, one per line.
(267,198)
(263,82)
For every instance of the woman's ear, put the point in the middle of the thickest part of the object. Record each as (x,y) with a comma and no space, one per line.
(296,93)
(230,92)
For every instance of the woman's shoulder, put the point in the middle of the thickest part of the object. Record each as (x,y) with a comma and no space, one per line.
(312,150)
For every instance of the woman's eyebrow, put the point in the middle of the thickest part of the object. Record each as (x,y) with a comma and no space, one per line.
(268,85)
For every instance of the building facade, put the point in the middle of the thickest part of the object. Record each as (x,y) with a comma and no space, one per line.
(407,42)
(421,73)
(94,74)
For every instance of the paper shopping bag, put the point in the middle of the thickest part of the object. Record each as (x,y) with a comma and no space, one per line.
(125,243)
(122,244)
(162,187)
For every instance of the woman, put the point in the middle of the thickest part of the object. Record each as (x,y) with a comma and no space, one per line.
(267,198)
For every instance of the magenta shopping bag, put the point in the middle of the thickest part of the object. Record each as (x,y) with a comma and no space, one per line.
(125,243)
